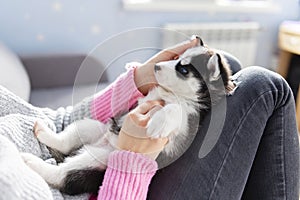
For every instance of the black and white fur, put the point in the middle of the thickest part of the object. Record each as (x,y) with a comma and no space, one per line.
(187,85)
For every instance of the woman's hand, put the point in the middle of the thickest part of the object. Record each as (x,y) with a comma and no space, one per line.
(132,136)
(144,75)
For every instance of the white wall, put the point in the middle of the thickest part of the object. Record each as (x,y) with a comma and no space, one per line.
(70,26)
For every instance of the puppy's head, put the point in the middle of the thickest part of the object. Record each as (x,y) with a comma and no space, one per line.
(195,72)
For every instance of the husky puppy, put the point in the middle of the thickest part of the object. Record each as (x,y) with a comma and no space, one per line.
(188,86)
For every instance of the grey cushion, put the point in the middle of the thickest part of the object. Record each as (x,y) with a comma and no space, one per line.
(13,75)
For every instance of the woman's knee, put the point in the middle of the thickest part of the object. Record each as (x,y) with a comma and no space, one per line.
(257,81)
(263,78)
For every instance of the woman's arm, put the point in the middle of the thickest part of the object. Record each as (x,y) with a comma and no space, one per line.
(127,176)
(130,170)
(118,98)
(123,93)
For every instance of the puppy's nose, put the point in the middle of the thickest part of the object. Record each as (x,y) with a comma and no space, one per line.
(157,67)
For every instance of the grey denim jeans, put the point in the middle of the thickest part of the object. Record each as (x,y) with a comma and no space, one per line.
(256,155)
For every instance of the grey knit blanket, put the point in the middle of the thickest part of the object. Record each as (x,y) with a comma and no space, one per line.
(17,117)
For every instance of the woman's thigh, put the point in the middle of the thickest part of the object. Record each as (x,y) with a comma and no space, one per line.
(223,173)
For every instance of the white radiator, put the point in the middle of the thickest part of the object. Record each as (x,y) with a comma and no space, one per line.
(237,38)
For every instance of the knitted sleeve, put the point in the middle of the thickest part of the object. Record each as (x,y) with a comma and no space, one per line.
(127,176)
(117,98)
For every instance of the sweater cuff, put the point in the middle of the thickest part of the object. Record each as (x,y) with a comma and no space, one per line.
(118,98)
(130,162)
(127,176)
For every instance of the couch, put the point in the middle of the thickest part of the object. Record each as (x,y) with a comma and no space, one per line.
(50,80)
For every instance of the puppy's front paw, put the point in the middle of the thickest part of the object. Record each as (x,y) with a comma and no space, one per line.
(164,122)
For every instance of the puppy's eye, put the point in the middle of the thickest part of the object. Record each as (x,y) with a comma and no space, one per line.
(183,70)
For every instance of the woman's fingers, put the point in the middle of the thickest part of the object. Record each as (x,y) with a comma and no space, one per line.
(144,77)
(133,134)
(141,114)
(147,106)
(174,51)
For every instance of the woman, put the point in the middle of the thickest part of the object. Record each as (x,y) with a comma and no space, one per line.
(256,156)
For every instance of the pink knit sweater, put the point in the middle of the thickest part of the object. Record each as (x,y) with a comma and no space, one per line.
(128,174)
(118,97)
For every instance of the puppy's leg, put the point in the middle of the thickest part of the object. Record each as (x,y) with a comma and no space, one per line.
(85,178)
(75,135)
(74,175)
(165,121)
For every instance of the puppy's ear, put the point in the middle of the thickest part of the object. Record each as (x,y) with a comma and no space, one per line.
(214,65)
(199,40)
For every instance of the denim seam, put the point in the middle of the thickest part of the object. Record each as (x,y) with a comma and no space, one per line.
(283,158)
(234,137)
